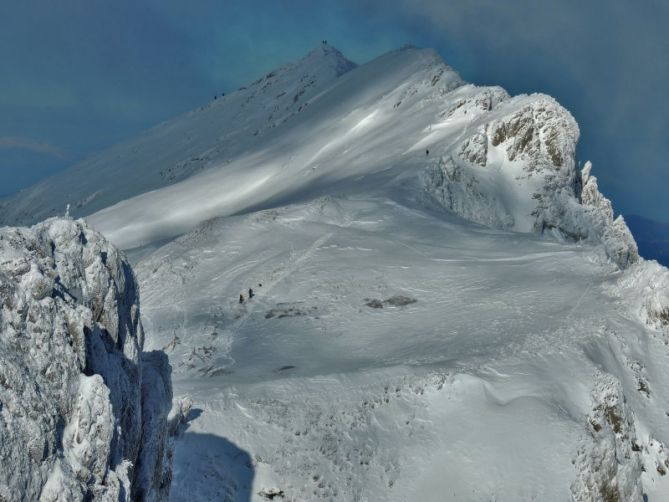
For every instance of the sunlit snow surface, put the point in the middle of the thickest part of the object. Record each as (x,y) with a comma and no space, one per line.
(392,350)
(475,386)
(349,131)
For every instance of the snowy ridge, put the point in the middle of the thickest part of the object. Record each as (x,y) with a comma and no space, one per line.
(214,134)
(499,161)
(358,128)
(323,124)
(82,409)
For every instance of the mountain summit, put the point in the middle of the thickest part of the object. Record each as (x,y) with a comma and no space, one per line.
(322,58)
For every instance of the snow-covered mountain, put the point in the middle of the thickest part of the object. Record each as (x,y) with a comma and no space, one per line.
(174,150)
(83,410)
(391,353)
(500,161)
(444,305)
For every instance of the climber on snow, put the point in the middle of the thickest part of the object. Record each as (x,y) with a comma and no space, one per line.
(241,298)
(251,295)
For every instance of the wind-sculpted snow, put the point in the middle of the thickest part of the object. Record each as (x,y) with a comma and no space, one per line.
(82,409)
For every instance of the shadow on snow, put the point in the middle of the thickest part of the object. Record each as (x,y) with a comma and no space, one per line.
(209,467)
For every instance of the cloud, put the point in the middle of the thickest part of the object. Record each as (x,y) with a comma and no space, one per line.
(32,145)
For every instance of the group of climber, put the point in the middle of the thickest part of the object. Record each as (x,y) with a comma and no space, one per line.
(251,294)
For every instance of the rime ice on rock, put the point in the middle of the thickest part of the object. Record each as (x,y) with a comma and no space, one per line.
(82,409)
(609,462)
(517,170)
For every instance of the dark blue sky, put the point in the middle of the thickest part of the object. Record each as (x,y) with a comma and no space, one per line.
(79,75)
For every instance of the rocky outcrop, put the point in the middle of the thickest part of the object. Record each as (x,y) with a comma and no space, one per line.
(609,462)
(586,215)
(541,133)
(515,167)
(647,287)
(83,410)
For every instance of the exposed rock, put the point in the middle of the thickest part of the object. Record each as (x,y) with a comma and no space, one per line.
(74,384)
(475,149)
(542,133)
(527,146)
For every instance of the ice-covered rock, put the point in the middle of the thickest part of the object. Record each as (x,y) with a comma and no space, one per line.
(587,215)
(647,287)
(82,409)
(517,169)
(609,462)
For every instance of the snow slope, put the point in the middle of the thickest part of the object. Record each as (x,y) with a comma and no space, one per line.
(397,354)
(83,410)
(216,133)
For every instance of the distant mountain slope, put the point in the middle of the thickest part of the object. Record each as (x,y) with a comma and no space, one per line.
(178,148)
(390,353)
(651,236)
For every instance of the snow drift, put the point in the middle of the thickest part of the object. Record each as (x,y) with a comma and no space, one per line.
(82,408)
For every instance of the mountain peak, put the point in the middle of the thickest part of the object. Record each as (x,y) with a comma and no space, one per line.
(324,63)
(329,55)
(324,49)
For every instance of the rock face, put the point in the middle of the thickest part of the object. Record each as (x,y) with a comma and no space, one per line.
(515,167)
(609,462)
(82,409)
